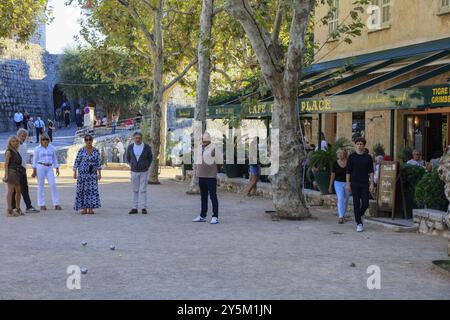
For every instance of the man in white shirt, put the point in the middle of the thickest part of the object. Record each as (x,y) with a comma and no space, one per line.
(18,119)
(23,148)
(120,149)
(40,126)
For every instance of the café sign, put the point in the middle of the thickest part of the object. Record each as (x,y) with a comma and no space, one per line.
(409,98)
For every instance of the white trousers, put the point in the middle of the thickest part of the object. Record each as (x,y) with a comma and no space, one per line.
(43,173)
(139,186)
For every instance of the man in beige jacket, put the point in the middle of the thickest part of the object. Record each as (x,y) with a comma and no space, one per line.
(207,180)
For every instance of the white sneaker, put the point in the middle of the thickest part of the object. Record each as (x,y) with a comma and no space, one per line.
(214,220)
(359,228)
(199,219)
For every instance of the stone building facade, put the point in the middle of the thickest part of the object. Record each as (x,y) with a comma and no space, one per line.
(404,25)
(28,76)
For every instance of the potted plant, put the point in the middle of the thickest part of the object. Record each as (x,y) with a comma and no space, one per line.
(320,162)
(379,150)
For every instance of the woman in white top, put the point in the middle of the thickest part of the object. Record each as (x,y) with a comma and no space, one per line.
(44,161)
(416,159)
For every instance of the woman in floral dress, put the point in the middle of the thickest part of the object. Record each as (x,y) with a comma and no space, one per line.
(87,172)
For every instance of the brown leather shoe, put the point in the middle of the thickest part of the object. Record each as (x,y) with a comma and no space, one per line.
(58,207)
(43,208)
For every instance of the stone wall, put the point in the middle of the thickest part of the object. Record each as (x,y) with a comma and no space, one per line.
(444,173)
(28,75)
(431,222)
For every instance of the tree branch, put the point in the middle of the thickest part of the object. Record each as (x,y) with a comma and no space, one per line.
(219,10)
(277,24)
(260,40)
(300,21)
(181,75)
(225,74)
(150,37)
(148,4)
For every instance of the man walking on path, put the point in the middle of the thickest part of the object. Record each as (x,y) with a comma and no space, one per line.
(207,181)
(359,168)
(139,157)
(39,125)
(18,119)
(22,134)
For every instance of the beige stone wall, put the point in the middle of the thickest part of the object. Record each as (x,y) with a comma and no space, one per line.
(344,125)
(412,21)
(378,130)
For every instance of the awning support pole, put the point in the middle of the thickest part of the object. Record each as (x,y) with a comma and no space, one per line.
(392,138)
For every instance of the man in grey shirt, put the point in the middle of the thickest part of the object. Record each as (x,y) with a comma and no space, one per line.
(139,157)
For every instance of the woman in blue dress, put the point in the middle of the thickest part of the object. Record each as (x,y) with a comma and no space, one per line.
(87,172)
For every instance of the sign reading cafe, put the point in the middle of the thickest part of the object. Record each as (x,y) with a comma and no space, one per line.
(409,98)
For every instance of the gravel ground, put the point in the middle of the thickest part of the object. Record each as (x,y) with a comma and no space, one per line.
(165,256)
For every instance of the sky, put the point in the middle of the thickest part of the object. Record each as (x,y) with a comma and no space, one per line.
(64,26)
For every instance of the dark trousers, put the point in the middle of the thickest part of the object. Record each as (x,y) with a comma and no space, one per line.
(360,200)
(18,125)
(50,135)
(208,186)
(25,192)
(38,132)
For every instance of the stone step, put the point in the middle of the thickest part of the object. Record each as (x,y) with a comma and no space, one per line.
(393,225)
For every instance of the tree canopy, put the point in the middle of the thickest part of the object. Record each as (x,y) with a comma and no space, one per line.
(80,78)
(20,19)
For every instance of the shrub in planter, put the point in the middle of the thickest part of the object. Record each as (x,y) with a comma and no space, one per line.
(379,150)
(411,175)
(430,192)
(405,153)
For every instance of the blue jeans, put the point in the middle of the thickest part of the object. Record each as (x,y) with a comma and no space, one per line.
(208,186)
(342,197)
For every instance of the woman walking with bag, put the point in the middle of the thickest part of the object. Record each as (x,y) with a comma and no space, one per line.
(338,180)
(13,172)
(87,172)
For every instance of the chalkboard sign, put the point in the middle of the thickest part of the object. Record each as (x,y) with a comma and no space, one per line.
(387,185)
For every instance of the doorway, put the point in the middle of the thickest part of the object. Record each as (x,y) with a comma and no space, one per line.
(427,131)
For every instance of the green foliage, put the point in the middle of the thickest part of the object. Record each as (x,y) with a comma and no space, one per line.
(405,153)
(80,77)
(411,175)
(430,192)
(20,18)
(109,26)
(324,159)
(379,150)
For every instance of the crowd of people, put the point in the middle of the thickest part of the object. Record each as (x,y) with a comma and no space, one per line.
(86,171)
(352,175)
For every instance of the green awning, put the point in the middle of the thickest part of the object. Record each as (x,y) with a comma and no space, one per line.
(409,98)
(253,111)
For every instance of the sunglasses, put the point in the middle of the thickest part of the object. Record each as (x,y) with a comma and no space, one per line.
(45,139)
(86,140)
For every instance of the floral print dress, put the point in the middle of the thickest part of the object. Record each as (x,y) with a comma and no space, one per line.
(87,196)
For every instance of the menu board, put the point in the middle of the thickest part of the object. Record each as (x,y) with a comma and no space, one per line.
(387,182)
